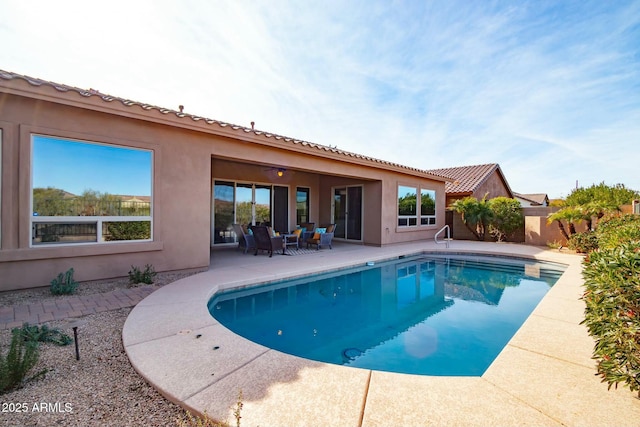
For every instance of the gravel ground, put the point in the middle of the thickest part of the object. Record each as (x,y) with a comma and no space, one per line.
(84,288)
(101,389)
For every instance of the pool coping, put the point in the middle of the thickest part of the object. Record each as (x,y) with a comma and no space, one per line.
(544,376)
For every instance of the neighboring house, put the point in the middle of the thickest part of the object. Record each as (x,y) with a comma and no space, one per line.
(199,175)
(474,181)
(532,200)
(471,181)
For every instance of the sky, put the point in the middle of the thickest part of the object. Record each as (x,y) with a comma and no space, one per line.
(77,167)
(549,90)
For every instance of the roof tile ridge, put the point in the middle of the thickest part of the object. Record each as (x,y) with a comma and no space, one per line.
(8,75)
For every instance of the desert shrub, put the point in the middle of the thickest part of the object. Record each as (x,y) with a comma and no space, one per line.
(190,420)
(37,334)
(139,276)
(64,284)
(612,314)
(554,245)
(16,364)
(583,242)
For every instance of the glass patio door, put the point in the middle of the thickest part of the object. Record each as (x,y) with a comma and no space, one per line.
(244,204)
(347,212)
(340,212)
(261,204)
(247,204)
(223,212)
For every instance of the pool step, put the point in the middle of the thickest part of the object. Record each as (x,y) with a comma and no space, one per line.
(500,264)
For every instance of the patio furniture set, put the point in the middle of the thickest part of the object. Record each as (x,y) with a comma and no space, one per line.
(262,237)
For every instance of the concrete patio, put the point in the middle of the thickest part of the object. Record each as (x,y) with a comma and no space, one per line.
(544,376)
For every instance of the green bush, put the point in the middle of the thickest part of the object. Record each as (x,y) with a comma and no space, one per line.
(507,217)
(618,229)
(138,276)
(128,230)
(612,315)
(64,284)
(583,242)
(16,364)
(36,334)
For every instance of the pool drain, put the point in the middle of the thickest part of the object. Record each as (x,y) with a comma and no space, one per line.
(351,353)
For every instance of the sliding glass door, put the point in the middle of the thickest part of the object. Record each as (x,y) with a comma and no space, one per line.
(223,212)
(247,204)
(262,205)
(280,211)
(244,204)
(347,212)
(354,213)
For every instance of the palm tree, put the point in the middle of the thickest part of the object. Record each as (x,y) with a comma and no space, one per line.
(570,215)
(597,209)
(476,214)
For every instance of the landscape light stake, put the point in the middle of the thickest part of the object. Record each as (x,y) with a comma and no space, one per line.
(75,339)
(74,326)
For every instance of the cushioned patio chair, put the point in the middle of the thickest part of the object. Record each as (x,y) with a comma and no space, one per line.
(245,240)
(302,233)
(320,238)
(265,241)
(307,230)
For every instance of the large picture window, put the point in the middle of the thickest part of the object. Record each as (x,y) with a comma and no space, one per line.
(87,192)
(416,206)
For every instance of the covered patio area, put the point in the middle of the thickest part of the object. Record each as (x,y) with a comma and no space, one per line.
(252,194)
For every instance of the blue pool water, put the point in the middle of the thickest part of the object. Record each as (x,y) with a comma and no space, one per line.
(425,314)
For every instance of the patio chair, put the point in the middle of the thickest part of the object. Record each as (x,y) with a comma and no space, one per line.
(245,240)
(307,230)
(265,241)
(301,234)
(320,239)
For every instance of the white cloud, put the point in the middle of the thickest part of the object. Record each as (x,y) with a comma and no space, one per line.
(551,91)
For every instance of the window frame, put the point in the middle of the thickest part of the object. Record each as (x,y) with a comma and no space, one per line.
(418,219)
(407,219)
(306,190)
(98,221)
(429,218)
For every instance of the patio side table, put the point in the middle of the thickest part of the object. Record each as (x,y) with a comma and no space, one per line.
(289,240)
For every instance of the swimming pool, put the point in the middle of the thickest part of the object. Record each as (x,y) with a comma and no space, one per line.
(424,314)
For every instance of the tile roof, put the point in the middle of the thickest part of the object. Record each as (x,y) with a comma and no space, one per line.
(539,198)
(7,75)
(466,179)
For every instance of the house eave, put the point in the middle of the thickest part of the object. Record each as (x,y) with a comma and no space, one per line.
(18,85)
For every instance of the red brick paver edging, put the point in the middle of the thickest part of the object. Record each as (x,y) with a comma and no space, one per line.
(71,306)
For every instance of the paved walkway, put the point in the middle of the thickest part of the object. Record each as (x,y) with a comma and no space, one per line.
(71,306)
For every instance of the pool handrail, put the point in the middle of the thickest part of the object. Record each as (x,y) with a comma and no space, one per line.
(446,240)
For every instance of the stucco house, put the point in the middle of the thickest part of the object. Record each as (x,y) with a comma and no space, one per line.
(471,181)
(474,181)
(532,200)
(198,176)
